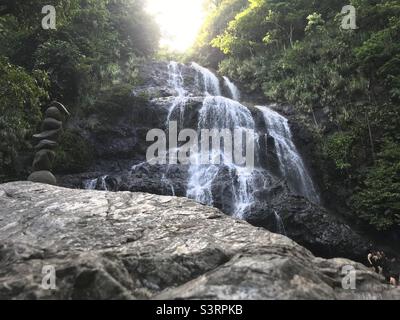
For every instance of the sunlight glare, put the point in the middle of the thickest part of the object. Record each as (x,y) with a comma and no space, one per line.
(179,20)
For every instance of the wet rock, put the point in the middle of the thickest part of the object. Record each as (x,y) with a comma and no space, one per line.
(139,246)
(158,179)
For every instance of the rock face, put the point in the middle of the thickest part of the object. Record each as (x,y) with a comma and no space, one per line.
(311,226)
(120,153)
(125,245)
(306,223)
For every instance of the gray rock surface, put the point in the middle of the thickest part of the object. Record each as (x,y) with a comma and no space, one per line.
(139,246)
(43,176)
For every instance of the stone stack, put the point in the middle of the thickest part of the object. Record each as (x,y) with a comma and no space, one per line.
(46,143)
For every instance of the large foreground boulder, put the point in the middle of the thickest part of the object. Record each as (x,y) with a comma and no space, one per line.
(125,245)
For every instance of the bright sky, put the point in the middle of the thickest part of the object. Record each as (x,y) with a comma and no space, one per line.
(180,21)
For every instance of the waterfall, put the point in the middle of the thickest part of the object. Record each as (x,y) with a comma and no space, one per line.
(234,91)
(90,184)
(237,183)
(176,78)
(280,226)
(210,80)
(291,164)
(176,81)
(137,166)
(93,183)
(223,113)
(103,183)
(168,184)
(235,186)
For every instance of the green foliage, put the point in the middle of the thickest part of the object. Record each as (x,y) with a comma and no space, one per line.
(221,13)
(344,84)
(20,97)
(73,155)
(338,148)
(66,66)
(97,45)
(379,57)
(314,20)
(114,101)
(378,199)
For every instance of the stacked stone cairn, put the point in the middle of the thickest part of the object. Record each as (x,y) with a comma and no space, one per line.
(46,143)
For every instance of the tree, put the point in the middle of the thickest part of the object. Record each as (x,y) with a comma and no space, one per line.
(20,98)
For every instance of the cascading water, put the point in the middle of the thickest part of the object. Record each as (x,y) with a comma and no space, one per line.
(210,80)
(280,226)
(234,187)
(93,184)
(90,184)
(168,185)
(176,78)
(222,113)
(291,164)
(176,81)
(234,91)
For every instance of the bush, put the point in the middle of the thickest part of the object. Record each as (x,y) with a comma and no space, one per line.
(20,98)
(69,74)
(377,199)
(115,102)
(338,149)
(73,155)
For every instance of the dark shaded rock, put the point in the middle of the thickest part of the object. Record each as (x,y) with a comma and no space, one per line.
(43,160)
(323,233)
(46,144)
(54,113)
(60,107)
(51,124)
(308,224)
(155,82)
(50,135)
(157,179)
(143,177)
(45,177)
(139,246)
(110,182)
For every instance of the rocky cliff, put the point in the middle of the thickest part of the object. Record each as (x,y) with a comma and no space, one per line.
(124,245)
(120,164)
